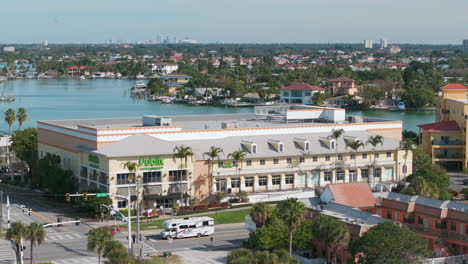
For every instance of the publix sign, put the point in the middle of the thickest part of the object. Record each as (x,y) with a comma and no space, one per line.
(151,163)
(93,161)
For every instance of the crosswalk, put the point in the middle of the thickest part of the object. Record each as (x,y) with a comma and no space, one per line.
(147,248)
(61,236)
(7,255)
(82,260)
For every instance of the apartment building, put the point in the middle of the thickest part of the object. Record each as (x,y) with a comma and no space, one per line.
(445,140)
(287,148)
(443,224)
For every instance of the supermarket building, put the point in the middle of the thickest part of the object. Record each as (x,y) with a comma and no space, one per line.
(288,149)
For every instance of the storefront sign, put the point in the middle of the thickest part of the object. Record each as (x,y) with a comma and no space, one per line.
(152,163)
(93,161)
(227,165)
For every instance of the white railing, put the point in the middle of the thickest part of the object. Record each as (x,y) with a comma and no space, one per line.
(448,260)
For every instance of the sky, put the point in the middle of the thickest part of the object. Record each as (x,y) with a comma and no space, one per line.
(235,21)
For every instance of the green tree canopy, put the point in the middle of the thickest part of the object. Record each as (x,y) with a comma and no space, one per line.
(389,243)
(49,174)
(25,145)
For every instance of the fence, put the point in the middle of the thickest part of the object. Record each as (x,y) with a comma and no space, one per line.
(460,259)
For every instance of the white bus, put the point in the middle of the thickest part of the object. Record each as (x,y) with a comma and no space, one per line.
(188,227)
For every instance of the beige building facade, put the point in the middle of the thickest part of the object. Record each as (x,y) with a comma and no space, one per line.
(280,156)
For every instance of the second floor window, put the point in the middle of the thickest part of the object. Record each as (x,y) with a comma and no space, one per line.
(352,156)
(248,163)
(327,158)
(275,161)
(178,175)
(364,155)
(289,160)
(220,164)
(262,162)
(340,157)
(151,176)
(314,158)
(389,154)
(122,178)
(301,159)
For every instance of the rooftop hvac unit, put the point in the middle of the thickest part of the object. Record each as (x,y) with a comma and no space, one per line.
(151,120)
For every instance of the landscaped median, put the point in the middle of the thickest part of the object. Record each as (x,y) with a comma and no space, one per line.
(220,217)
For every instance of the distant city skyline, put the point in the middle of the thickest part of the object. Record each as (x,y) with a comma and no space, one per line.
(257,21)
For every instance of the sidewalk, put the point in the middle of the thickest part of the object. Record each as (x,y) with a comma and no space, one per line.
(196,256)
(7,254)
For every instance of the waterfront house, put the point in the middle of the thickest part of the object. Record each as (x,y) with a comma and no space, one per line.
(174,81)
(162,68)
(299,93)
(342,86)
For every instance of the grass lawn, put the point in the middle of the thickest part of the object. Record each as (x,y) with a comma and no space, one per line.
(162,260)
(228,217)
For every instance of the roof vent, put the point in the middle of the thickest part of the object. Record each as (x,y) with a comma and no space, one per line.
(151,120)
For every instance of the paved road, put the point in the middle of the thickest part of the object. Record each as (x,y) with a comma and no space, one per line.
(67,245)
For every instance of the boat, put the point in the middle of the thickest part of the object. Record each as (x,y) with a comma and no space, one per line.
(2,79)
(167,100)
(138,88)
(401,106)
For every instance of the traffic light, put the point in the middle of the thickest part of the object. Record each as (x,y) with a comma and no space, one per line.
(67,197)
(85,197)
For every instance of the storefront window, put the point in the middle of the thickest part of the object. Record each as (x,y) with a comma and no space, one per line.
(377,172)
(327,176)
(178,175)
(151,176)
(122,178)
(364,173)
(249,182)
(121,204)
(276,180)
(235,183)
(262,181)
(84,172)
(289,179)
(340,175)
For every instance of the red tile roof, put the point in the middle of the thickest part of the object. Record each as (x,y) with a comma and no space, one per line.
(302,87)
(450,125)
(77,68)
(454,86)
(341,79)
(354,194)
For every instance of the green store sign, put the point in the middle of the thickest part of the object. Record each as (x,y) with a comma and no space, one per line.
(151,163)
(93,161)
(227,165)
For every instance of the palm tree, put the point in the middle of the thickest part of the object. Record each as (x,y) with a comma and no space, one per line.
(374,141)
(336,134)
(334,234)
(355,145)
(36,234)
(260,213)
(17,232)
(116,253)
(97,241)
(407,145)
(291,211)
(182,152)
(212,154)
(21,116)
(240,255)
(238,156)
(10,118)
(132,168)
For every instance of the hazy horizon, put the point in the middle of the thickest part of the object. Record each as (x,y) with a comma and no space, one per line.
(248,22)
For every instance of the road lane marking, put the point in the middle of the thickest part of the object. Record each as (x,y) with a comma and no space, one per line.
(48,220)
(223,235)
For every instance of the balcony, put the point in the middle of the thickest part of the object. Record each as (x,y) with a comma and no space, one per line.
(440,233)
(448,156)
(447,142)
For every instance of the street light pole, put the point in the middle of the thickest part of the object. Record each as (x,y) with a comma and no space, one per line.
(8,211)
(129,220)
(138,218)
(1,211)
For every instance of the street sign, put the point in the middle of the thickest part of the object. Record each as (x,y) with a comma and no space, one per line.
(101,194)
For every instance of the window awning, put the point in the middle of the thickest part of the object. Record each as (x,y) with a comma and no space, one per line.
(152,190)
(124,191)
(177,188)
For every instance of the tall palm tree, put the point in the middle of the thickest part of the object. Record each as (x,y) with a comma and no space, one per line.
(97,241)
(407,145)
(36,234)
(212,154)
(10,118)
(336,135)
(260,213)
(17,232)
(21,116)
(355,145)
(374,141)
(292,212)
(183,153)
(334,234)
(238,156)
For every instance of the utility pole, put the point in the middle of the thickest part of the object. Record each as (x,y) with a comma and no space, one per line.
(140,253)
(8,211)
(1,211)
(130,245)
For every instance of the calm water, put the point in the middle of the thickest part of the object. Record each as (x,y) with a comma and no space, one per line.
(74,99)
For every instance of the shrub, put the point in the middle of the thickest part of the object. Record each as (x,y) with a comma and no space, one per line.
(234,200)
(185,209)
(465,192)
(445,195)
(225,204)
(242,195)
(220,196)
(200,207)
(214,205)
